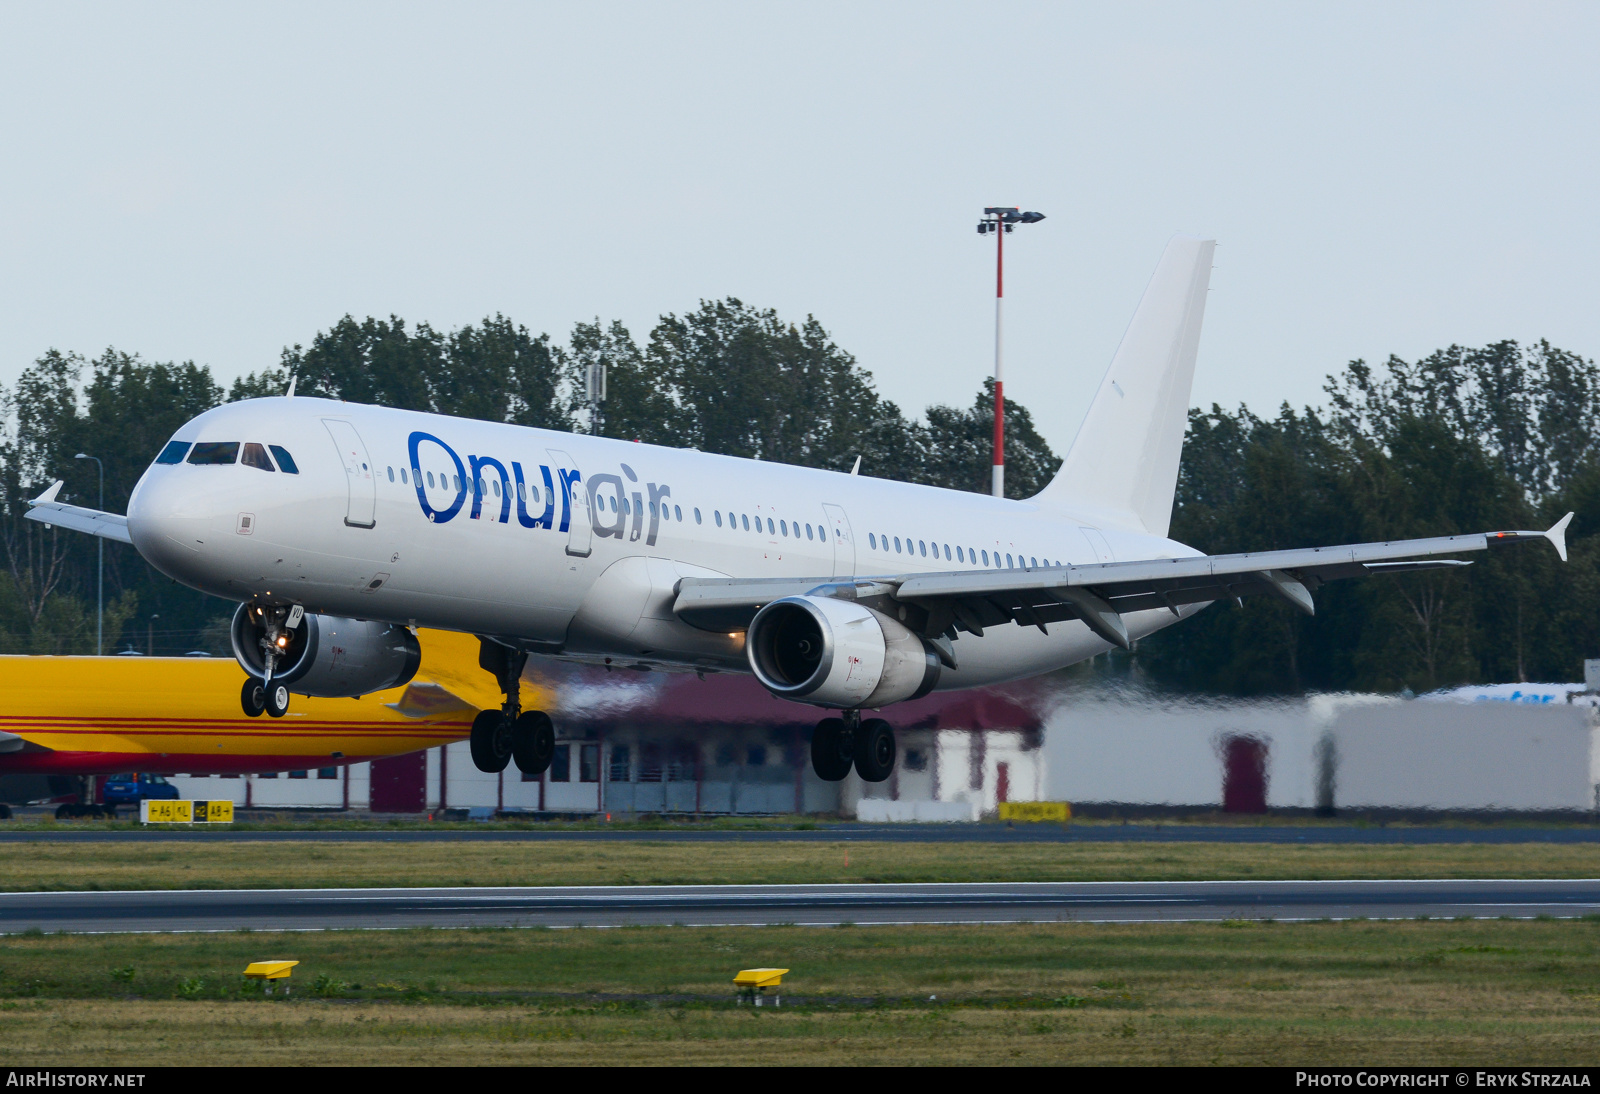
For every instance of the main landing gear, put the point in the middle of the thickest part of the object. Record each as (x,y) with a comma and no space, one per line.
(510,733)
(838,744)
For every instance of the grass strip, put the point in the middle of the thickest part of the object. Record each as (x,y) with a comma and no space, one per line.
(312,864)
(1457,992)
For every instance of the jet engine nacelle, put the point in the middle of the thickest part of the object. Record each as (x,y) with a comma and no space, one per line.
(837,653)
(329,656)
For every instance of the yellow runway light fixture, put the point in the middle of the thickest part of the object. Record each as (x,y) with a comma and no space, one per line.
(268,971)
(753,984)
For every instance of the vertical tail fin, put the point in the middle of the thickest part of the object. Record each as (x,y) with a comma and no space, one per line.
(1123,465)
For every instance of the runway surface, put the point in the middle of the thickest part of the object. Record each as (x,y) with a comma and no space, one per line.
(1128,902)
(825,833)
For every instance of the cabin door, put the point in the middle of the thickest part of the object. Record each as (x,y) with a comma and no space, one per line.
(361,509)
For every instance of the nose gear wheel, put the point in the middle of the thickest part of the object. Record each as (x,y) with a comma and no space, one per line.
(253,698)
(277,699)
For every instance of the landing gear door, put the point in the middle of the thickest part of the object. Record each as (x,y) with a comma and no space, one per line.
(361,510)
(844,545)
(574,509)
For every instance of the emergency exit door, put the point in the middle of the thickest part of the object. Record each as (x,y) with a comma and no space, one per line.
(844,545)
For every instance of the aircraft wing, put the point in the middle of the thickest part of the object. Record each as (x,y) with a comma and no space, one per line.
(944,604)
(48,511)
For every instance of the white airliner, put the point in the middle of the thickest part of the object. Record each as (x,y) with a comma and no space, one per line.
(340,528)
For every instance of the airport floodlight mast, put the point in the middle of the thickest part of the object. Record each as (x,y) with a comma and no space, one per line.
(1000,220)
(100,577)
(595,390)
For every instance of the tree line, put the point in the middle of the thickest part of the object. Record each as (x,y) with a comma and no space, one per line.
(1466,439)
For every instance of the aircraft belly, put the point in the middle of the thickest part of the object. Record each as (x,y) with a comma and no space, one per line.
(627,612)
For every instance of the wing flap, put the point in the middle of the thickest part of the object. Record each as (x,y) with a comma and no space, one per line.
(1099,593)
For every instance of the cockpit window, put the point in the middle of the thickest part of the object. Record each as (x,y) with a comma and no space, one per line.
(215,452)
(285,461)
(174,452)
(255,456)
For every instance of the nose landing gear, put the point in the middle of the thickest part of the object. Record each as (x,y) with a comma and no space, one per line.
(267,695)
(838,744)
(510,733)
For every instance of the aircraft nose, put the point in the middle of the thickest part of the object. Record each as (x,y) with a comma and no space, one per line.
(171,523)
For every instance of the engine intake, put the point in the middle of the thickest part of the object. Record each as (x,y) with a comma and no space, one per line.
(837,653)
(329,656)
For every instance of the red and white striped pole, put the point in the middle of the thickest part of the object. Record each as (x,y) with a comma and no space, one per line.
(1000,220)
(997,485)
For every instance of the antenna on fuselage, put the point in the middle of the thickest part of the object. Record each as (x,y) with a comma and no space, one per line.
(290,393)
(857,466)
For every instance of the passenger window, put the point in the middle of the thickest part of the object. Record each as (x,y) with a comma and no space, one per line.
(896,544)
(497,488)
(947,552)
(872,541)
(924,548)
(677,513)
(959,557)
(215,452)
(1009,566)
(783,527)
(1034,561)
(457,480)
(771,531)
(697,517)
(986,558)
(808,531)
(255,456)
(746,524)
(716,513)
(286,462)
(391,474)
(430,478)
(174,452)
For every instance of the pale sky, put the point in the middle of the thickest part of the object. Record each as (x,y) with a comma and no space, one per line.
(214,181)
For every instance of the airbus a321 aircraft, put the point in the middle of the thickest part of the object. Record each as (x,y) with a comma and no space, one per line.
(341,528)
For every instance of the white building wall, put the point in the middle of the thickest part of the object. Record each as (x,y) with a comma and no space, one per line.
(1463,755)
(1115,748)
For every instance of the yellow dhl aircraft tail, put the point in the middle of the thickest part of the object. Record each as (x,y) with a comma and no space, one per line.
(100,715)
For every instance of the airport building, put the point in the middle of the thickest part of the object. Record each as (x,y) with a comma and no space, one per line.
(675,744)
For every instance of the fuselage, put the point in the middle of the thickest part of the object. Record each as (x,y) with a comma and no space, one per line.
(569,544)
(98,715)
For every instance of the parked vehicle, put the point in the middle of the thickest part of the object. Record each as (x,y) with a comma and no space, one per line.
(128,788)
